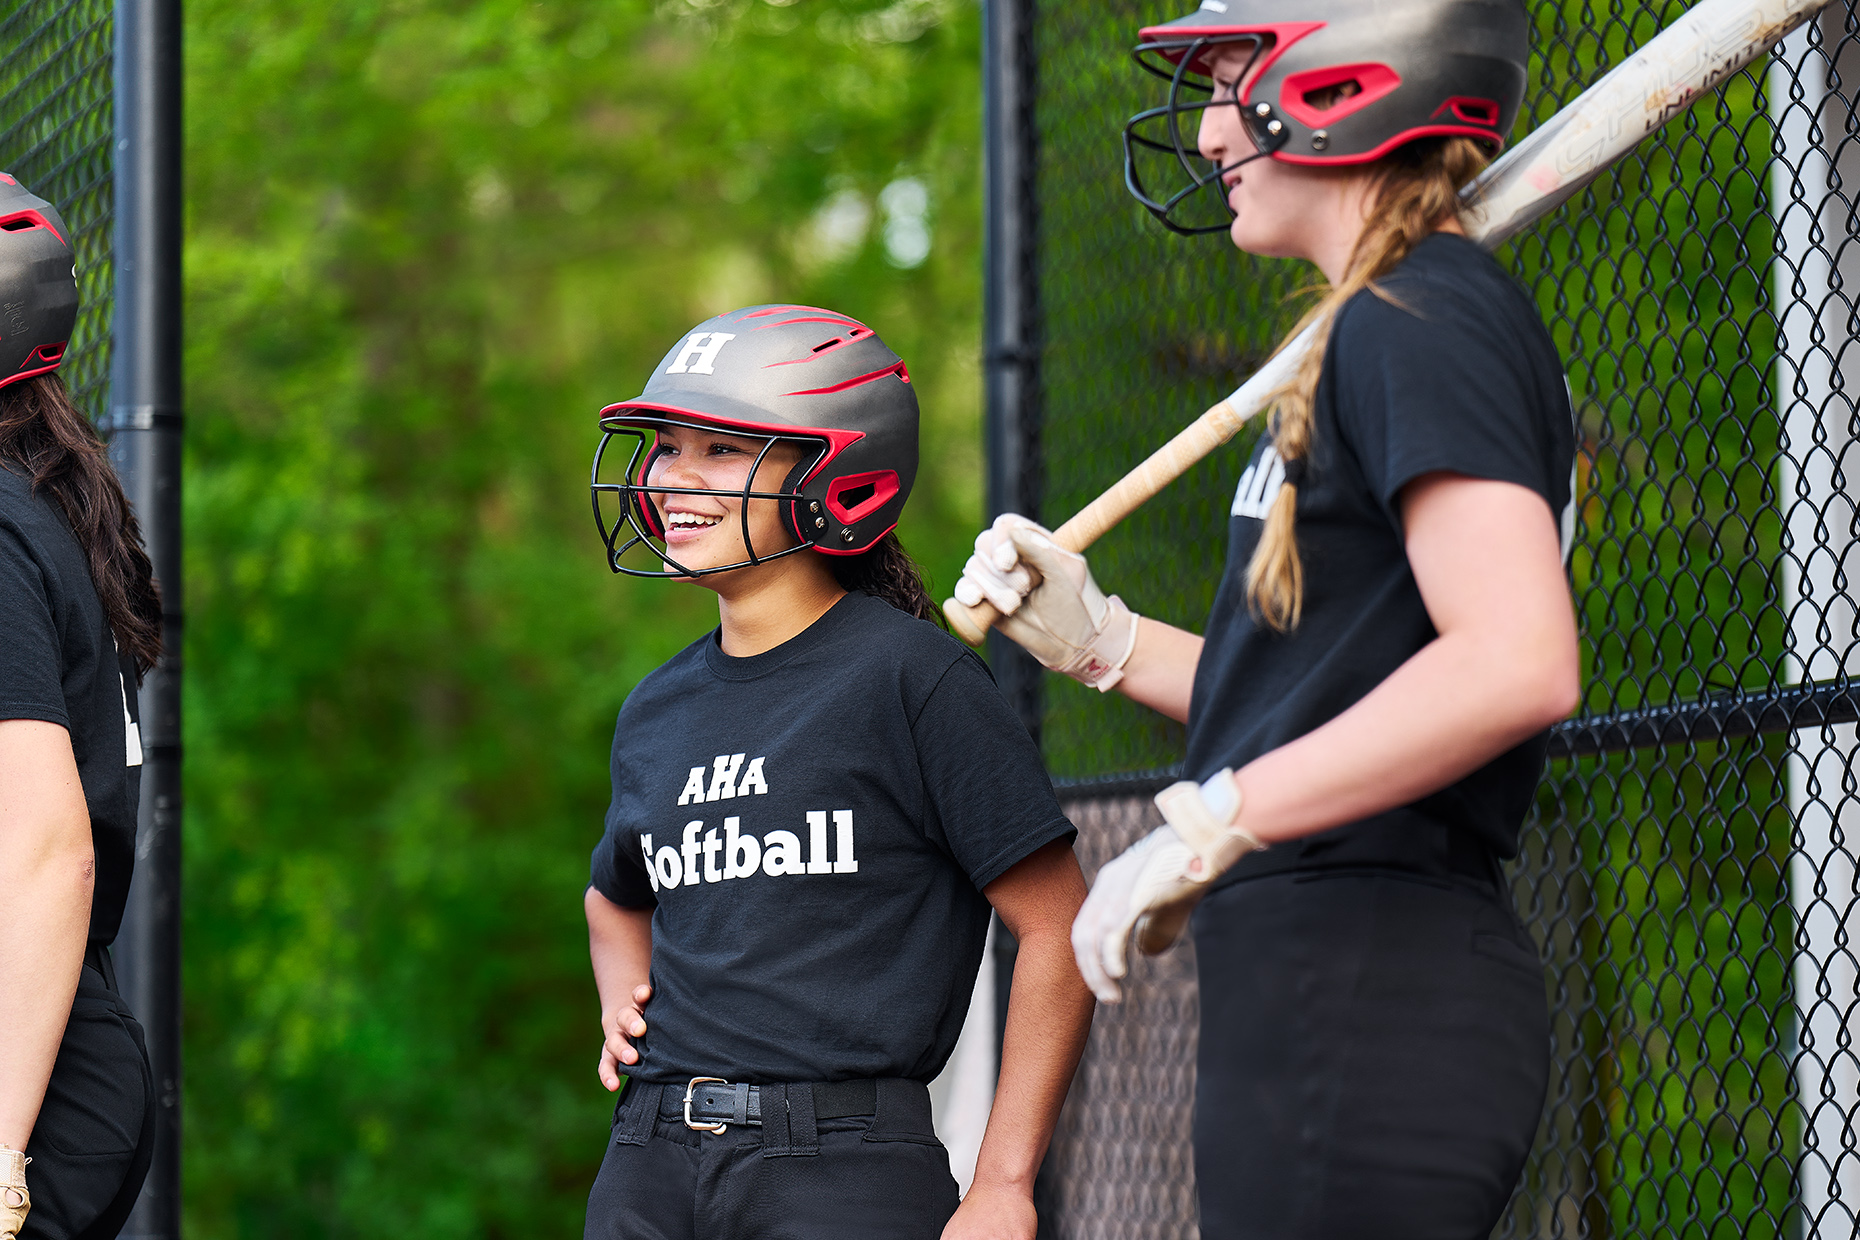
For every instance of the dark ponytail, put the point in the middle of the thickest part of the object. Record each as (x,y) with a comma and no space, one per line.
(887,572)
(43,433)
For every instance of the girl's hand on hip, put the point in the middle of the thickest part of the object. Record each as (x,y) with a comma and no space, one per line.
(993,1213)
(620,1027)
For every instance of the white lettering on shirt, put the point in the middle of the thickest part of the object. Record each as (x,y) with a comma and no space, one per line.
(723,777)
(707,857)
(781,854)
(690,850)
(843,861)
(669,871)
(132,734)
(1259,485)
(723,784)
(735,845)
(817,862)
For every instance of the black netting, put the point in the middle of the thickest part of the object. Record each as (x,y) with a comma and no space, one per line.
(55,138)
(1688,870)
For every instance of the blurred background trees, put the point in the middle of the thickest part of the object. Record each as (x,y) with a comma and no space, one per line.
(426,242)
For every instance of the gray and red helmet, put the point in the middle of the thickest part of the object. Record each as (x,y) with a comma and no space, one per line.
(794,374)
(38,284)
(1332,82)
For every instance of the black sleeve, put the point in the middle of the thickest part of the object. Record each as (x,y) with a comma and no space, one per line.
(31,683)
(618,867)
(620,873)
(1435,384)
(989,799)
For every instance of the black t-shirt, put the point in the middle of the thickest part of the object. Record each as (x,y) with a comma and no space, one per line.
(58,662)
(820,820)
(1461,376)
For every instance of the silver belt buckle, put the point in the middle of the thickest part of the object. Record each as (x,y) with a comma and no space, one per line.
(689,1088)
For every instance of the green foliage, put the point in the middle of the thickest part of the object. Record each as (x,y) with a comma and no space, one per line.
(426,241)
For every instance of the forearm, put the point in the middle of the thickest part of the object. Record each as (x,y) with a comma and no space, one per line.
(620,947)
(45,853)
(43,925)
(1454,706)
(1161,670)
(1049,1015)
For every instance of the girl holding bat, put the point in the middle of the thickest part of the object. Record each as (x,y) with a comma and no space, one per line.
(814,807)
(1392,636)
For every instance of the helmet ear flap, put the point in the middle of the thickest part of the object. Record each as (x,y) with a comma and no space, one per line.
(641,501)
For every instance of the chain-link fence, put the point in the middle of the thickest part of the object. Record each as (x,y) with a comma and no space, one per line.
(1688,871)
(55,138)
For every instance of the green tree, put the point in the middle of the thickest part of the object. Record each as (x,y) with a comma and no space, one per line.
(426,241)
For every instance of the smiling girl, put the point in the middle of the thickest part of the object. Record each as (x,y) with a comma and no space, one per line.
(814,808)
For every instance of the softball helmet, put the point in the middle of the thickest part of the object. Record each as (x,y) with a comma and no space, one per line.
(793,374)
(38,284)
(1334,82)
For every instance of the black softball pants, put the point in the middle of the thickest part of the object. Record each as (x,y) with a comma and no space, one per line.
(795,1177)
(1374,1052)
(95,1134)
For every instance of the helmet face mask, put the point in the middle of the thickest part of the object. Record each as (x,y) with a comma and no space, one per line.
(1154,138)
(1345,84)
(637,519)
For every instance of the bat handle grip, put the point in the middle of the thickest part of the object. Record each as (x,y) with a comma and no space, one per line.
(1092,522)
(971,624)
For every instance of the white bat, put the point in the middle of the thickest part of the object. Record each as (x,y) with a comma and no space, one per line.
(1690,58)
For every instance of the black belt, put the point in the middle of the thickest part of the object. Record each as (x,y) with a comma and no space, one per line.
(709,1101)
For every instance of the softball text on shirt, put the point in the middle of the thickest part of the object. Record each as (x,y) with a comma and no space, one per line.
(743,854)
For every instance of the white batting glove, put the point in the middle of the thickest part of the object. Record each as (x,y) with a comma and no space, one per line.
(15,1200)
(1154,886)
(1050,605)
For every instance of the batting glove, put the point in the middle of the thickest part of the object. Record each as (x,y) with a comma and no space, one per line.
(1050,605)
(1154,886)
(15,1200)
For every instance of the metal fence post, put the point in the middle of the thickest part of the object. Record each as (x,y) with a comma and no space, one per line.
(145,444)
(1815,262)
(1011,357)
(1011,368)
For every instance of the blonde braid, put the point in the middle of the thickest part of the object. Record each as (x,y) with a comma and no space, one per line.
(1419,187)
